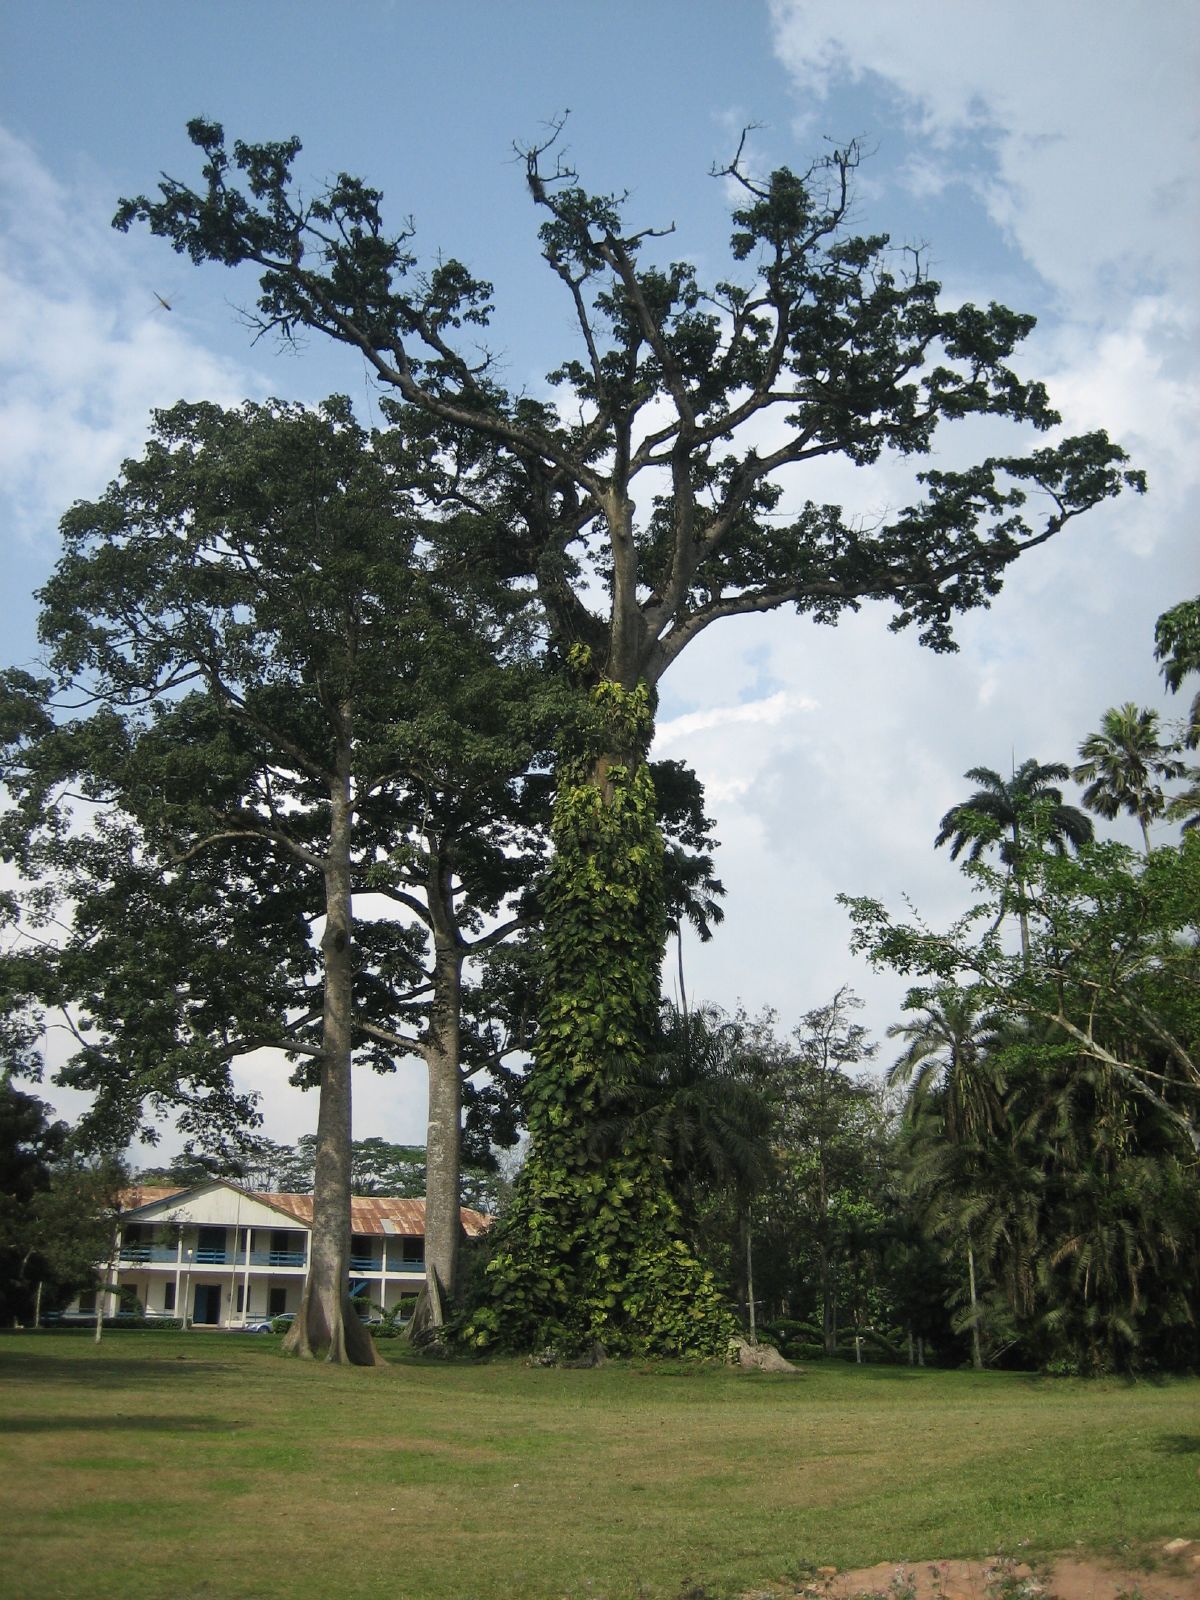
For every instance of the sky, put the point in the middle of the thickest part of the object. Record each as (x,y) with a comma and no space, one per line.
(1044,154)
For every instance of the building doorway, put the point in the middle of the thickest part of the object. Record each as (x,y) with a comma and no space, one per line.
(207,1305)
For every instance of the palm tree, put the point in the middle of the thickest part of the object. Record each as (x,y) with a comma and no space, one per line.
(1177,646)
(996,812)
(950,1048)
(950,1060)
(1121,763)
(1184,807)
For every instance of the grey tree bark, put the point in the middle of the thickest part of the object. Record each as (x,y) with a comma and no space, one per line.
(327,1325)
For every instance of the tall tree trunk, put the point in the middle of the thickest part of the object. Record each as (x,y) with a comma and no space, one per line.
(825,1283)
(751,1319)
(683,1005)
(443,1142)
(1022,909)
(327,1325)
(976,1352)
(592,1250)
(824,1270)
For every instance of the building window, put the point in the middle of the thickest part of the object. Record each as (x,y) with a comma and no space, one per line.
(168,1297)
(87,1300)
(241,1297)
(276,1302)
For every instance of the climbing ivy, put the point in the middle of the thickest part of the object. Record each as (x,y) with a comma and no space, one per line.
(591,1248)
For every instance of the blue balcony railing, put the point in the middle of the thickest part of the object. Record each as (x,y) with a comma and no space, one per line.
(364,1264)
(277,1258)
(406,1266)
(137,1253)
(211,1258)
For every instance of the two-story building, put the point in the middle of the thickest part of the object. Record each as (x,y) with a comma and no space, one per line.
(221,1256)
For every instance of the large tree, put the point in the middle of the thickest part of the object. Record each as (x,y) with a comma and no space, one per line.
(288,719)
(707,402)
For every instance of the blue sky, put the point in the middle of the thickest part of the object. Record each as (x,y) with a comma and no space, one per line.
(1046,154)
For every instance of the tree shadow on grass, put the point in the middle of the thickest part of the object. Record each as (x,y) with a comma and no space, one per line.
(1178,1444)
(103,1372)
(118,1424)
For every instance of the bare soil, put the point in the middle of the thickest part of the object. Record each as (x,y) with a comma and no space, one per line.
(1171,1574)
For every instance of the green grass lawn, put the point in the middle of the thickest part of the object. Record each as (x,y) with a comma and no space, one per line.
(190,1465)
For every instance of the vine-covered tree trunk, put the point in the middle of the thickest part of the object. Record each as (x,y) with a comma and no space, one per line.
(591,1250)
(327,1325)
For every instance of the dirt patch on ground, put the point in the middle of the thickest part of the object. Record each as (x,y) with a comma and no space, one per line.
(1175,1576)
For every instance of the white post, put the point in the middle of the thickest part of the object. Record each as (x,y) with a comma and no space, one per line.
(185,1316)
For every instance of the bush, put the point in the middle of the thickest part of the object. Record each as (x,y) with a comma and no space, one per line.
(135,1319)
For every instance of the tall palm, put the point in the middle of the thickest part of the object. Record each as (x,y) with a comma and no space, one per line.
(995,814)
(950,1062)
(1122,765)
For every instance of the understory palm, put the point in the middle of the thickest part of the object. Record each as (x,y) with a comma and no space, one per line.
(955,1082)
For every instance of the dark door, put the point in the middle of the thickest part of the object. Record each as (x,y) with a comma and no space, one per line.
(207,1306)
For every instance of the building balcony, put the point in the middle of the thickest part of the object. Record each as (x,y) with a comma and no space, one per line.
(136,1255)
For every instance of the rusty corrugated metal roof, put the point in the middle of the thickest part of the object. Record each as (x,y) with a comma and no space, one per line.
(368,1213)
(372,1213)
(145,1194)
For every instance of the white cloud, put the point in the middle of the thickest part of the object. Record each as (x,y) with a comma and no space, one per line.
(86,351)
(772,710)
(1087,111)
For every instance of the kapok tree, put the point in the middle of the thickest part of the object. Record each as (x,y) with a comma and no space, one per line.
(707,402)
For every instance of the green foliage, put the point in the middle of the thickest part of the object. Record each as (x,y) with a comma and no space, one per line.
(56,1206)
(591,1246)
(1177,646)
(392,1319)
(279,563)
(1053,1125)
(1121,763)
